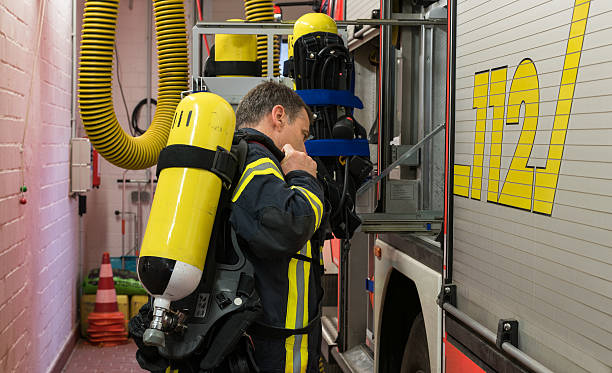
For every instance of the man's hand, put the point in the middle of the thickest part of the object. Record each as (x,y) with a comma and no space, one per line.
(296,160)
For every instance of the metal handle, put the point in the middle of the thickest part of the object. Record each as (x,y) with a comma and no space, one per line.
(481,330)
(399,160)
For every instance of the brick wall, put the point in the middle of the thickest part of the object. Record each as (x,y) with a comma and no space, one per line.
(38,241)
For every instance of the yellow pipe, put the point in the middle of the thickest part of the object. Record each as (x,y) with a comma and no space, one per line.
(95,81)
(263,11)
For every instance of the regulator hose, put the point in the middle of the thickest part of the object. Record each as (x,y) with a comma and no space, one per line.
(263,11)
(95,80)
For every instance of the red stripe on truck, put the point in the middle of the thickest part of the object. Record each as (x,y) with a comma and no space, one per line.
(457,362)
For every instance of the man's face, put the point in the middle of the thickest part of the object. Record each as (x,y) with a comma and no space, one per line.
(296,132)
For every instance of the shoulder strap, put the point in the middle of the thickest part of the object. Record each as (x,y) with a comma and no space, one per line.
(245,68)
(260,139)
(220,162)
(240,149)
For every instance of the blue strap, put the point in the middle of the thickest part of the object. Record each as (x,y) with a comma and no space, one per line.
(330,97)
(332,147)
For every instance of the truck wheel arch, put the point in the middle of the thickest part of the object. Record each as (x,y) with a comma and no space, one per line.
(400,306)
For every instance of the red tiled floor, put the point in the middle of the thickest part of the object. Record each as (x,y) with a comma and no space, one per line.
(94,359)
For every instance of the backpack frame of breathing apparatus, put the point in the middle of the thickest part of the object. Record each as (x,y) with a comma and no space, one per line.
(222,307)
(321,63)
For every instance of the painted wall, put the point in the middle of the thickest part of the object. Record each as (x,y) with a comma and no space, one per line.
(38,240)
(221,10)
(102,225)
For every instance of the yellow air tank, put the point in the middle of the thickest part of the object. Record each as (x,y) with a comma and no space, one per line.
(178,232)
(236,48)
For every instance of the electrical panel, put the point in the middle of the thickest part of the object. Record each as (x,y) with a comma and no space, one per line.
(80,165)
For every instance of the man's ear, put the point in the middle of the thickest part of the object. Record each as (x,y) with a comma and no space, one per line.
(278,117)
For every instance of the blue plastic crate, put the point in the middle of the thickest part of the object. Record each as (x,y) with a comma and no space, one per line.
(130,262)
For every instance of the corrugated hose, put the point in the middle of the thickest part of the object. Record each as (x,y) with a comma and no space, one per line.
(95,82)
(263,11)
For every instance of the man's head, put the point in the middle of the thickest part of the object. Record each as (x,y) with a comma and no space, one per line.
(276,111)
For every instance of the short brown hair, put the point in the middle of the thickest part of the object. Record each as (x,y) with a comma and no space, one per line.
(260,101)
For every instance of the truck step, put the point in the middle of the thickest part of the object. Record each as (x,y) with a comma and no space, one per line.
(358,359)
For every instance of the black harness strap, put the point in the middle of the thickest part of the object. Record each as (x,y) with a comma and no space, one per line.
(220,162)
(247,68)
(262,140)
(302,257)
(246,284)
(268,331)
(215,68)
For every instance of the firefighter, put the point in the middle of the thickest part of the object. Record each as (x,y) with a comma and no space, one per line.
(277,210)
(278,206)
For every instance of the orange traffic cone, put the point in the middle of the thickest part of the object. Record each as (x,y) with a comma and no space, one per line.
(106,322)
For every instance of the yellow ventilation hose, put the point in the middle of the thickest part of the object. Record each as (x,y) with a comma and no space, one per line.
(263,11)
(95,80)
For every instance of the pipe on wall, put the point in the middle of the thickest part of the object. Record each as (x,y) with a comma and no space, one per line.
(263,11)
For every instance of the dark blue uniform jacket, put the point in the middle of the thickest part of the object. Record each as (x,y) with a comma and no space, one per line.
(275,216)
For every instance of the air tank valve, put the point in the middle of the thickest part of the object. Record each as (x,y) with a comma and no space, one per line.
(164,321)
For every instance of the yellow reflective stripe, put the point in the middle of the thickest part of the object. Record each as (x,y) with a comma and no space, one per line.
(297,342)
(321,255)
(289,343)
(315,203)
(292,295)
(296,346)
(304,353)
(262,166)
(312,204)
(306,280)
(291,312)
(304,346)
(259,162)
(316,200)
(250,177)
(170,370)
(306,273)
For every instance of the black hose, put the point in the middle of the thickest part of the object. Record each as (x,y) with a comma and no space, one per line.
(329,120)
(136,112)
(323,70)
(344,188)
(313,70)
(310,82)
(340,54)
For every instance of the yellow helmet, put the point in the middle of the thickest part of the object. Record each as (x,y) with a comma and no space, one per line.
(311,22)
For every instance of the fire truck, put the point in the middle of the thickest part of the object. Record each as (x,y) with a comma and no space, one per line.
(486,242)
